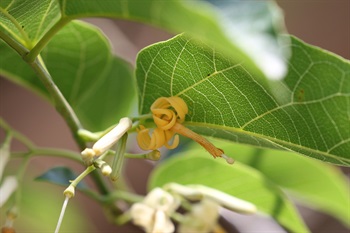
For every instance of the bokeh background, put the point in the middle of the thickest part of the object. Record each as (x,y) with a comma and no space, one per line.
(323,23)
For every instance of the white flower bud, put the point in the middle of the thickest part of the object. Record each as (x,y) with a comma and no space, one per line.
(106,169)
(4,154)
(69,192)
(109,139)
(225,200)
(187,192)
(7,188)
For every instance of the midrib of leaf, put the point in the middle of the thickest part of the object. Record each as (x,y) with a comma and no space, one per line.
(80,70)
(204,79)
(25,40)
(42,20)
(277,141)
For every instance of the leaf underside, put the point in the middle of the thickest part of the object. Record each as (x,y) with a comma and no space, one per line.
(308,112)
(98,85)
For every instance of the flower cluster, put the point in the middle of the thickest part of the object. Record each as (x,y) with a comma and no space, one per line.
(168,115)
(154,213)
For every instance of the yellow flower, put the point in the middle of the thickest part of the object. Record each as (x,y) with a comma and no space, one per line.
(168,115)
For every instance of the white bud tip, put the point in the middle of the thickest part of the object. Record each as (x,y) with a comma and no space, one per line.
(110,138)
(106,170)
(69,192)
(228,159)
(88,153)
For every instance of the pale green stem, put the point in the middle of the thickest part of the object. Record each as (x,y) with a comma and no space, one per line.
(19,176)
(87,171)
(20,137)
(42,151)
(18,47)
(142,117)
(60,101)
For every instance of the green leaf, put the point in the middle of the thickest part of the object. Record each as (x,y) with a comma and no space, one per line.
(28,20)
(61,176)
(237,180)
(229,25)
(40,207)
(308,112)
(99,86)
(313,183)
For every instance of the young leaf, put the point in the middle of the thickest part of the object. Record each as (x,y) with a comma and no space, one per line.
(61,176)
(238,180)
(313,183)
(99,86)
(307,112)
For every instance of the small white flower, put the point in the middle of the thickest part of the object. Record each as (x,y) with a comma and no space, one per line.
(202,218)
(227,201)
(4,155)
(10,183)
(109,139)
(187,192)
(153,213)
(8,186)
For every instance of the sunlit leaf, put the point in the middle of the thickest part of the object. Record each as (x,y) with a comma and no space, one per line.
(235,27)
(237,180)
(307,112)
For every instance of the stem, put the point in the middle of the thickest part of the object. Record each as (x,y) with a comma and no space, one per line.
(42,151)
(20,137)
(20,176)
(60,102)
(20,49)
(30,57)
(142,117)
(87,171)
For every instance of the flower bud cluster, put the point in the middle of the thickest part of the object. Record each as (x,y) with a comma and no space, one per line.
(155,211)
(102,146)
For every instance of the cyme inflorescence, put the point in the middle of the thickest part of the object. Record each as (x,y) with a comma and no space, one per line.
(168,115)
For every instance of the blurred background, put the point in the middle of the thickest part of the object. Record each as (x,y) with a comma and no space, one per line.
(319,22)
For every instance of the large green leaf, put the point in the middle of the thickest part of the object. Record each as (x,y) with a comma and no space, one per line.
(28,20)
(230,25)
(99,86)
(308,112)
(313,183)
(237,180)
